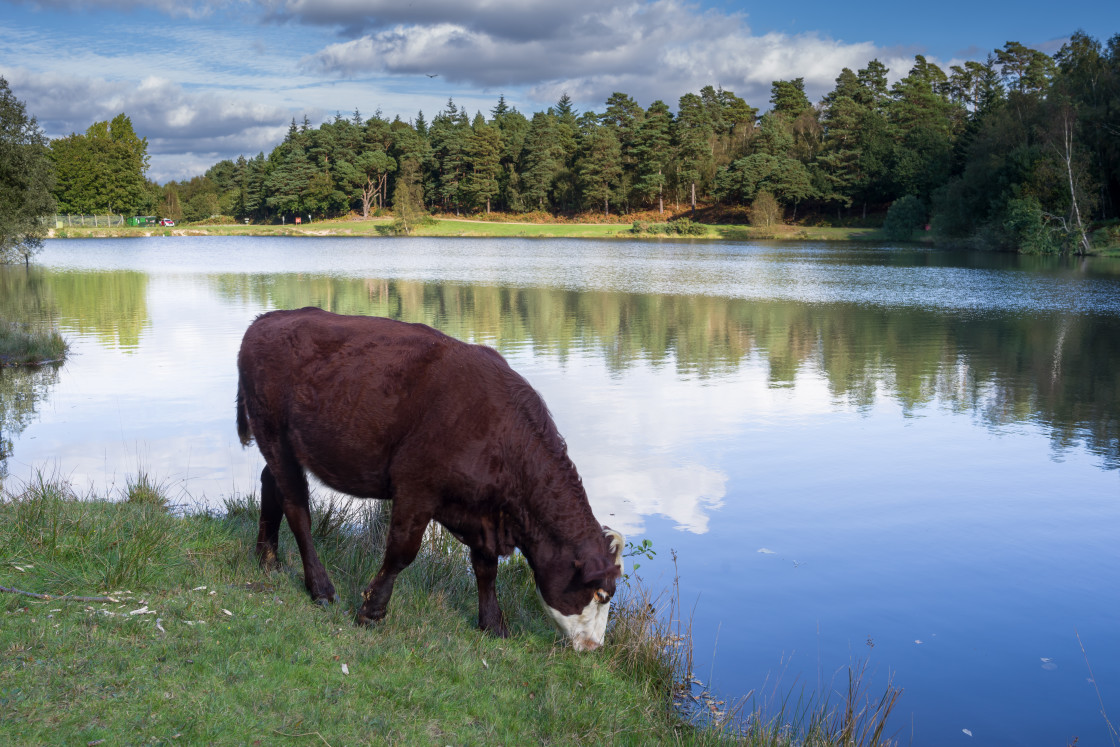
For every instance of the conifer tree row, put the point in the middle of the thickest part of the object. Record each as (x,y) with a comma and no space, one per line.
(1021,150)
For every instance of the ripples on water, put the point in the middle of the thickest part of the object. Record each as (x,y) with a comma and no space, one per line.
(903,456)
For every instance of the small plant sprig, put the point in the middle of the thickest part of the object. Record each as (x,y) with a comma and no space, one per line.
(644,549)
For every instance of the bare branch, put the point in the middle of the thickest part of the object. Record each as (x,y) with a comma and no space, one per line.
(57,597)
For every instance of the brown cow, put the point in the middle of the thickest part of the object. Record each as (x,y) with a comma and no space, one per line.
(446,430)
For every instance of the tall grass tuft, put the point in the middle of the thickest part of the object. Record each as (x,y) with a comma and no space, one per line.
(142,489)
(25,344)
(87,543)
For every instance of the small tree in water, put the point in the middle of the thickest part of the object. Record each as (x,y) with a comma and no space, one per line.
(26,181)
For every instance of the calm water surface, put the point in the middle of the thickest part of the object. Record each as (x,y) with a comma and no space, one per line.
(897,456)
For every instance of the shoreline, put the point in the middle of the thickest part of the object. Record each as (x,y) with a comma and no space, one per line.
(444,227)
(474,228)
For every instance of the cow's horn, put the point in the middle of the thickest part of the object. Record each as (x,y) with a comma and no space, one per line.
(618,544)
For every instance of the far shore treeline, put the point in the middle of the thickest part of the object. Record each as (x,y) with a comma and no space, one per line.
(1020,151)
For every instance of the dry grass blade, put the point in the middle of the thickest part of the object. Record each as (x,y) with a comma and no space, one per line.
(1112,733)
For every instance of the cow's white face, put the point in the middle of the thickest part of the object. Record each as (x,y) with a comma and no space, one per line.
(587,628)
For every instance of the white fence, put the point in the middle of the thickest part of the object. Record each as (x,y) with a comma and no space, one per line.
(92,221)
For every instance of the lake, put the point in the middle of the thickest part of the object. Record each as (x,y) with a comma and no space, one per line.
(896,456)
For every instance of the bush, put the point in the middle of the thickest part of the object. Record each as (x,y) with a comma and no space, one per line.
(765,211)
(1107,237)
(680,227)
(904,215)
(685,227)
(1026,228)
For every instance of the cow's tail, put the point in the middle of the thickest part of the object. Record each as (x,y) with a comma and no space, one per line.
(244,432)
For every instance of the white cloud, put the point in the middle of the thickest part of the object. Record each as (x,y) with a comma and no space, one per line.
(178,124)
(503,19)
(174,8)
(659,49)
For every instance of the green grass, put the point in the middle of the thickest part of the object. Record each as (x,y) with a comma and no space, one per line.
(23,345)
(200,646)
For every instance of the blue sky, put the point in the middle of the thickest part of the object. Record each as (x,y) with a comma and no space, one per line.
(205,80)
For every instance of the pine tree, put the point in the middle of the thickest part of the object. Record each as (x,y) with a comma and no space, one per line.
(653,152)
(600,167)
(694,151)
(541,159)
(483,157)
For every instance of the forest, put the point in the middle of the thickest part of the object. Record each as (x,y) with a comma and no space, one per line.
(1020,151)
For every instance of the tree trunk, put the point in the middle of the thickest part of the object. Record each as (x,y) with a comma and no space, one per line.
(488,206)
(606,206)
(694,199)
(1067,138)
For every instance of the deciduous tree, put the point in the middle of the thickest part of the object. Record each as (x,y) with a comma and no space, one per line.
(26,180)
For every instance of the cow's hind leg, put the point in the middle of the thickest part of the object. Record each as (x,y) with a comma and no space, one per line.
(294,501)
(486,572)
(406,532)
(272,514)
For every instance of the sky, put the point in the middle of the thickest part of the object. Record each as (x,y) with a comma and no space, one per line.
(205,80)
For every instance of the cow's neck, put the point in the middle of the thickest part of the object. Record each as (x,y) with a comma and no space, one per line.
(553,517)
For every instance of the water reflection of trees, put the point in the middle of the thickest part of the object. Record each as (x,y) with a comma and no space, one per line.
(1057,370)
(112,306)
(21,391)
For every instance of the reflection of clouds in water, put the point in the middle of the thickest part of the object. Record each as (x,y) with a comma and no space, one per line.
(684,494)
(650,441)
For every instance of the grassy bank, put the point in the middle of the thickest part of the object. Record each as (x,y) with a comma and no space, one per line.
(472,228)
(26,345)
(180,638)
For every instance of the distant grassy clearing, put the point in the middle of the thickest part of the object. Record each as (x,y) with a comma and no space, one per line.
(476,228)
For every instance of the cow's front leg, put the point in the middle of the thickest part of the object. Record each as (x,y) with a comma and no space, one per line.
(486,572)
(406,532)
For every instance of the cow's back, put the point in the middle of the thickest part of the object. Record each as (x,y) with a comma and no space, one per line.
(346,394)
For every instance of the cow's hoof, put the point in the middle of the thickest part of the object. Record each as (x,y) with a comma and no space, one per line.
(498,631)
(367,619)
(268,561)
(322,593)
